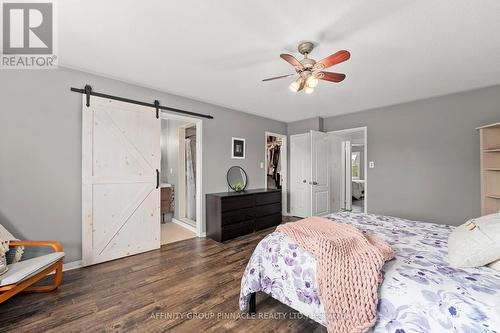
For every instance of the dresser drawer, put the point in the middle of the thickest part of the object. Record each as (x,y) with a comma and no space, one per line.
(237,203)
(239,215)
(268,209)
(236,230)
(267,198)
(267,221)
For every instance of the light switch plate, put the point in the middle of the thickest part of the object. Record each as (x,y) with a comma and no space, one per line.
(262,165)
(371,165)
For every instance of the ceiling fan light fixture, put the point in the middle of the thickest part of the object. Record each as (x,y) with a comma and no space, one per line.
(309,90)
(296,85)
(312,82)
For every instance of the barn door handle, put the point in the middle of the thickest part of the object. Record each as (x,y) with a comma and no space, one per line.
(157,178)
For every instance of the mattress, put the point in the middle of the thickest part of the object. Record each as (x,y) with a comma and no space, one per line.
(420,292)
(358,189)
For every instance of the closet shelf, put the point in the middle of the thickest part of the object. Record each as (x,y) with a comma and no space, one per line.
(490,168)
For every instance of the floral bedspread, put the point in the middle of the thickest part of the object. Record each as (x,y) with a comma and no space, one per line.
(420,292)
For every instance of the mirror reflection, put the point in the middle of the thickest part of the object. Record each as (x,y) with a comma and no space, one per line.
(237,178)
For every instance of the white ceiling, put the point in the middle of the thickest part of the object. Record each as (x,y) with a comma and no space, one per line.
(218,51)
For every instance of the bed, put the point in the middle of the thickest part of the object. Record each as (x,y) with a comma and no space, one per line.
(358,189)
(420,292)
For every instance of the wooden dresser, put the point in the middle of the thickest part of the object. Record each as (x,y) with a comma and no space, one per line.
(166,199)
(233,214)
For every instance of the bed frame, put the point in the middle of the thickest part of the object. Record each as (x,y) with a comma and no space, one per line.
(252,307)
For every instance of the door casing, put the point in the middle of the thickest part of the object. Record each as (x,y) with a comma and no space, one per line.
(284,168)
(348,131)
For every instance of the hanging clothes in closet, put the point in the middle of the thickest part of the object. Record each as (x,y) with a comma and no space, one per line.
(274,163)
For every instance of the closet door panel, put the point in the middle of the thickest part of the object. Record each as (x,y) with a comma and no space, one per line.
(300,175)
(320,173)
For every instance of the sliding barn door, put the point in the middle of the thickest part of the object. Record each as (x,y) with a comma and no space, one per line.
(120,167)
(320,173)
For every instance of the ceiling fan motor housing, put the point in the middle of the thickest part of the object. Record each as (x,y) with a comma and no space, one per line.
(307,63)
(306,47)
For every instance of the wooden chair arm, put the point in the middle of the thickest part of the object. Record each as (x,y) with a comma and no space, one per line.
(55,245)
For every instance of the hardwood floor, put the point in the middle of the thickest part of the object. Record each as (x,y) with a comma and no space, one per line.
(156,291)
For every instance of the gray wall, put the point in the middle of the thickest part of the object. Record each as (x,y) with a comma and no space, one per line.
(40,149)
(426,155)
(306,125)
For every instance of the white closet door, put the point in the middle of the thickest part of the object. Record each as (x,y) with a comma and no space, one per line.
(121,159)
(320,173)
(300,173)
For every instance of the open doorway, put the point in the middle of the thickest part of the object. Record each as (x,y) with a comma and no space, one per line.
(180,178)
(349,170)
(275,165)
(358,177)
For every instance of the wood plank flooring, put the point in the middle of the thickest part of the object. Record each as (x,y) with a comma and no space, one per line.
(157,291)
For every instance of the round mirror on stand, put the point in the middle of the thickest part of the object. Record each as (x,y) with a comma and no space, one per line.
(237,178)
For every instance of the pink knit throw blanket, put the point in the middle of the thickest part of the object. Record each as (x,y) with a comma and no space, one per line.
(348,271)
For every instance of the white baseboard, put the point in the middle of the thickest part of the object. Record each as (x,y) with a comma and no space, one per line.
(72,265)
(203,234)
(184,225)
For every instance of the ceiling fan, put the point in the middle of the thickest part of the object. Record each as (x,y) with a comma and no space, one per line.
(311,71)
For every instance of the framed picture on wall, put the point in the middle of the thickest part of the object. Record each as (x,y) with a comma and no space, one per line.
(238,148)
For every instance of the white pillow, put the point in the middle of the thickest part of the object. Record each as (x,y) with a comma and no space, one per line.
(475,243)
(495,265)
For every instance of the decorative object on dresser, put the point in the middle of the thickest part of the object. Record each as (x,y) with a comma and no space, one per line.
(490,168)
(236,178)
(233,214)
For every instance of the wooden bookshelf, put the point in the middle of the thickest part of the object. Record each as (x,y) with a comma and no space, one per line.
(490,168)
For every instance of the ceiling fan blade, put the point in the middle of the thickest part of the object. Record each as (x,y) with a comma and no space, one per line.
(333,59)
(329,76)
(292,61)
(278,77)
